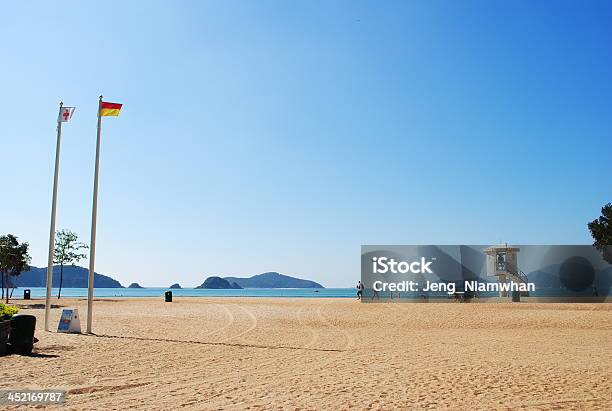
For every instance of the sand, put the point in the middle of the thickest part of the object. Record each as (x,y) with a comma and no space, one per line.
(262,353)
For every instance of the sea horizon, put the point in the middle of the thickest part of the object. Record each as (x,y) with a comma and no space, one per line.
(344,292)
(40,292)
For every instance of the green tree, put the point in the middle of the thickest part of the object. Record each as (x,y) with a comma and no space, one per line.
(601,231)
(14,259)
(67,250)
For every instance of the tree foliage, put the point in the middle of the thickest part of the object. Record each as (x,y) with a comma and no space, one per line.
(14,259)
(601,231)
(7,311)
(67,250)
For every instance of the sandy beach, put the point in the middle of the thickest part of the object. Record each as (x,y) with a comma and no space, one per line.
(262,353)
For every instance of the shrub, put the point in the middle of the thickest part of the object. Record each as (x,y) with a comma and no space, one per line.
(7,311)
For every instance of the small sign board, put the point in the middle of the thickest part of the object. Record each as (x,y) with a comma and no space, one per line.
(70,321)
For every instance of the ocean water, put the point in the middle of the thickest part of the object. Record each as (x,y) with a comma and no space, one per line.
(39,292)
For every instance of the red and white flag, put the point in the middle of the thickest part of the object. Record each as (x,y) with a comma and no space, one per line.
(65,114)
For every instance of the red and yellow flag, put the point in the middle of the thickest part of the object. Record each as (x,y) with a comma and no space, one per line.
(109,109)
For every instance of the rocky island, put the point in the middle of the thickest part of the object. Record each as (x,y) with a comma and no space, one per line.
(273,280)
(218,283)
(264,280)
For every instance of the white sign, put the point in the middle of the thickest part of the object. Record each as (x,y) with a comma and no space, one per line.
(69,322)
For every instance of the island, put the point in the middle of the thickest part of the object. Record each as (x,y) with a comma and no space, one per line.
(74,277)
(270,279)
(175,286)
(273,280)
(135,285)
(218,283)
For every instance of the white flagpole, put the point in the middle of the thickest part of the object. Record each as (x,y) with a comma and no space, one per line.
(94,213)
(53,213)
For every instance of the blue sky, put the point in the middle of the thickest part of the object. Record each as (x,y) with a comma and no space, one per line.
(273,135)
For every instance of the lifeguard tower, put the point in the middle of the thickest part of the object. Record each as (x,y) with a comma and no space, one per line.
(502,262)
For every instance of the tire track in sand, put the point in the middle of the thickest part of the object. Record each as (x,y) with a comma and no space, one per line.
(231,321)
(253,320)
(349,340)
(314,334)
(261,372)
(267,370)
(146,362)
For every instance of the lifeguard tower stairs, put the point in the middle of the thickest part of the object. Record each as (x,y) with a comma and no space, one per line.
(502,262)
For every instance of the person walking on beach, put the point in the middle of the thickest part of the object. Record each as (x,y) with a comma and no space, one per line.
(359,290)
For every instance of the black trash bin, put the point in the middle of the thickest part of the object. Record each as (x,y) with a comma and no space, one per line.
(5,330)
(168,296)
(26,294)
(21,338)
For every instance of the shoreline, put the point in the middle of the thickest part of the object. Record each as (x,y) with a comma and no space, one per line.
(368,301)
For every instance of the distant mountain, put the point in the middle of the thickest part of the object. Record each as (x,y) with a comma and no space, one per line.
(218,283)
(176,286)
(74,277)
(273,280)
(135,285)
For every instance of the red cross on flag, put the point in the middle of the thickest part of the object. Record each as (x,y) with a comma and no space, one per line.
(65,114)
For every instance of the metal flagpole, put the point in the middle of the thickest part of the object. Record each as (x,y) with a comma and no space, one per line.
(53,213)
(94,213)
